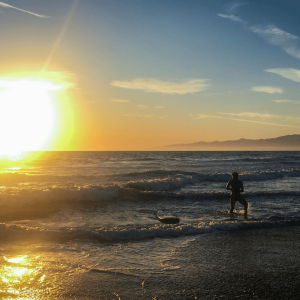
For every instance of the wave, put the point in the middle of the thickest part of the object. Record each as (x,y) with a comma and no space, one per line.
(166,184)
(33,177)
(179,181)
(123,235)
(35,202)
(151,180)
(29,199)
(158,173)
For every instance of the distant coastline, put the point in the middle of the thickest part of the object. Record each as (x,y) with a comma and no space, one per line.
(282,143)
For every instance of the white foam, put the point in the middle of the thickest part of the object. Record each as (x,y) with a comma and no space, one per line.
(179,181)
(162,231)
(166,184)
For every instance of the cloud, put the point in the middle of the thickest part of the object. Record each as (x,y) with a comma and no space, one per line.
(267,89)
(201,116)
(165,87)
(142,106)
(289,73)
(288,42)
(286,101)
(141,116)
(251,115)
(233,6)
(68,79)
(221,93)
(120,100)
(232,18)
(29,12)
(159,106)
(163,117)
(48,81)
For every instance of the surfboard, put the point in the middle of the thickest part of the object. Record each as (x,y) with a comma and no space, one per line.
(167,218)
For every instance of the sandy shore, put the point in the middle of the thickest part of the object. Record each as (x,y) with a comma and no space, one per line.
(248,264)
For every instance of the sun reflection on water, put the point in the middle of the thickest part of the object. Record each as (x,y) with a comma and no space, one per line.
(17,260)
(26,163)
(21,276)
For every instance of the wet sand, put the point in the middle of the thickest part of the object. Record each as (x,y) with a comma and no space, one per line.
(244,264)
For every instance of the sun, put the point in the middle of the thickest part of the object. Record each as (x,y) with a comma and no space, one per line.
(27,115)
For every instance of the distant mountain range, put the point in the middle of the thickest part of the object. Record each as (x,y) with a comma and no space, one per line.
(282,143)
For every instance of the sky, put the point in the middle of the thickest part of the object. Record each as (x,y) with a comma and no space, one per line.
(137,74)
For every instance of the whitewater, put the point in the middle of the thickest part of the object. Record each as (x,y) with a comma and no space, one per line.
(97,211)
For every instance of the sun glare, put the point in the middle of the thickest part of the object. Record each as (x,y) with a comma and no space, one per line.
(26,114)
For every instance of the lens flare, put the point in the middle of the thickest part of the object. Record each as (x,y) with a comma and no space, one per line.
(27,116)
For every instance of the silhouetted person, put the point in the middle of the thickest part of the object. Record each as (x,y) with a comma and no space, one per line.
(236,187)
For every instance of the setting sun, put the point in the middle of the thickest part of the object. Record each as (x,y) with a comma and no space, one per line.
(26,114)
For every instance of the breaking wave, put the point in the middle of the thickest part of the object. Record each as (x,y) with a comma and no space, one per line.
(178,181)
(122,235)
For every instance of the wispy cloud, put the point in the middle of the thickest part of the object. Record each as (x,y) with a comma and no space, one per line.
(163,117)
(286,101)
(2,4)
(120,100)
(142,106)
(59,77)
(58,80)
(232,18)
(159,106)
(221,93)
(69,79)
(289,73)
(233,6)
(288,42)
(165,87)
(251,115)
(267,89)
(141,116)
(201,116)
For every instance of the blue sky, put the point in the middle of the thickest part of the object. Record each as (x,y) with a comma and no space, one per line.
(150,73)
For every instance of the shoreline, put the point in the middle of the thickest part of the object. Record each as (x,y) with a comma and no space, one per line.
(245,264)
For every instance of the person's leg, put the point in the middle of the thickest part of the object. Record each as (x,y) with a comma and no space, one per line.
(244,202)
(232,203)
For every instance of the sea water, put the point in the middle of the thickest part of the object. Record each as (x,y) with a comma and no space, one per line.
(69,213)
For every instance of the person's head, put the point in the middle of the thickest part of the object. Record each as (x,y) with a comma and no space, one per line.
(235,175)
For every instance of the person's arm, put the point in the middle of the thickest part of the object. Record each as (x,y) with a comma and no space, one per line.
(228,185)
(242,187)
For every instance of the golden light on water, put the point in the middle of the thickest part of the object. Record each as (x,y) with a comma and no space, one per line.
(20,276)
(20,259)
(33,276)
(27,114)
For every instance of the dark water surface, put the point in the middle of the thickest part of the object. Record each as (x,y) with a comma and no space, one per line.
(71,216)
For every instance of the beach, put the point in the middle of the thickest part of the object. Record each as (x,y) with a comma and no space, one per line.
(85,226)
(250,264)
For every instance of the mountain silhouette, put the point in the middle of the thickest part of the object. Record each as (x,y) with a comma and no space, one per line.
(282,143)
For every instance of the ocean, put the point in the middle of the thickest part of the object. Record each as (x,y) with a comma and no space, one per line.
(83,225)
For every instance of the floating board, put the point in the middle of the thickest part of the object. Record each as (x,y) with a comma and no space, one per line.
(167,219)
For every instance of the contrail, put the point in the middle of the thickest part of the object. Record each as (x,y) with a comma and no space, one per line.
(60,36)
(29,12)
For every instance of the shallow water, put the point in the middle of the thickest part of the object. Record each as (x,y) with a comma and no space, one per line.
(78,212)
